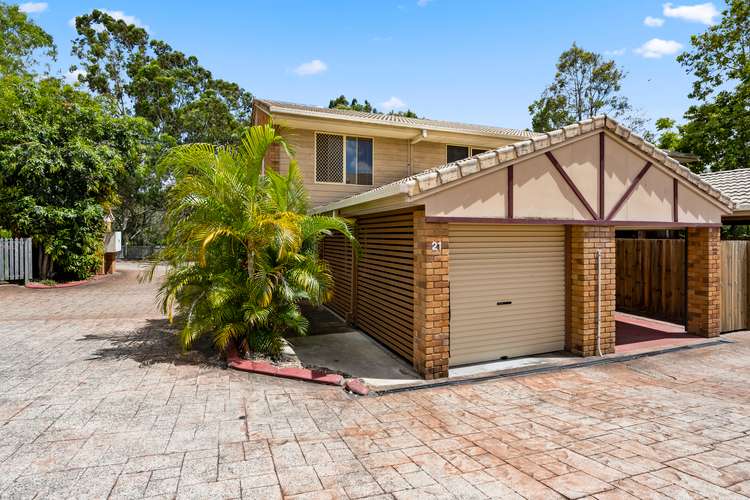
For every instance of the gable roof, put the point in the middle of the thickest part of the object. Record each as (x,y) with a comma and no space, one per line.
(733,183)
(392,120)
(445,174)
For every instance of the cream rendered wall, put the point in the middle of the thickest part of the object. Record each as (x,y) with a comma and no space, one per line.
(580,160)
(485,196)
(541,192)
(692,207)
(651,200)
(621,168)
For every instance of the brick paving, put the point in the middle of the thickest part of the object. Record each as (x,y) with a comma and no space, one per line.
(95,403)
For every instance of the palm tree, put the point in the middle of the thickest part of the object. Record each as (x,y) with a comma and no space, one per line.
(242,251)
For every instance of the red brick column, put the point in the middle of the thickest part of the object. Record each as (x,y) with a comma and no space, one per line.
(582,242)
(431,298)
(703,281)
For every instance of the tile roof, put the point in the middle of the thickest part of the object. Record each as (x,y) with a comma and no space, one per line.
(444,174)
(394,120)
(733,183)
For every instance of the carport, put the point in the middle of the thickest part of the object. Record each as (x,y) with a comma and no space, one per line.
(512,252)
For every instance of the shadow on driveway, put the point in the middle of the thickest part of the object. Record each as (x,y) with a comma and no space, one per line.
(155,342)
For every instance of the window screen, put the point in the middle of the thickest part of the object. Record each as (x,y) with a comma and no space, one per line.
(475,151)
(329,158)
(456,153)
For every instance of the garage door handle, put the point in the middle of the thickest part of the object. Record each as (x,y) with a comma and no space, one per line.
(504,302)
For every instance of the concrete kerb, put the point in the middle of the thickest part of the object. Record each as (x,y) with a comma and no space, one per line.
(520,372)
(236,362)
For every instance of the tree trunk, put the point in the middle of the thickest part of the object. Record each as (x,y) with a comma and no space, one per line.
(45,264)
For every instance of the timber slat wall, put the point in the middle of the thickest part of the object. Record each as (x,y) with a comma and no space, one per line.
(734,285)
(337,252)
(384,299)
(651,278)
(375,292)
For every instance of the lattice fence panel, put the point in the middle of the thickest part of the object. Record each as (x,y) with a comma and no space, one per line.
(329,158)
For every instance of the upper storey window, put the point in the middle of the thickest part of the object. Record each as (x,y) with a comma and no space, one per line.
(343,159)
(455,153)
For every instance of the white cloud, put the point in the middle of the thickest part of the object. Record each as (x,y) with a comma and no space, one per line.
(653,22)
(71,77)
(700,13)
(117,15)
(121,16)
(393,103)
(423,3)
(615,52)
(33,7)
(313,67)
(657,48)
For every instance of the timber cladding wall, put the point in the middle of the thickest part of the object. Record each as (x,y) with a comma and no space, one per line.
(339,255)
(375,291)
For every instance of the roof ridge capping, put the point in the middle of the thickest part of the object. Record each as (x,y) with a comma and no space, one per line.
(430,179)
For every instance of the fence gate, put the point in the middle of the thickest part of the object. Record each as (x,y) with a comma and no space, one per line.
(15,259)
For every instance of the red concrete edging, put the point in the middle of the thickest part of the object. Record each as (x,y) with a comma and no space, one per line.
(356,386)
(263,368)
(34,285)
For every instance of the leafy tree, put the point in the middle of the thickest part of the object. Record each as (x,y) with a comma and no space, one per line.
(670,137)
(585,85)
(341,102)
(717,132)
(149,79)
(61,154)
(717,129)
(107,47)
(20,40)
(241,249)
(720,55)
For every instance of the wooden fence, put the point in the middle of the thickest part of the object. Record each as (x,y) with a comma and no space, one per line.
(651,278)
(15,259)
(734,285)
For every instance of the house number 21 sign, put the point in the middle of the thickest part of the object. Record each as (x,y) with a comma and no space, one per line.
(437,246)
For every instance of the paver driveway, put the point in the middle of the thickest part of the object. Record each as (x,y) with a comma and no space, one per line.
(93,403)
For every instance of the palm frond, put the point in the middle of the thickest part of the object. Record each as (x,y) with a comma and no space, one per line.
(241,249)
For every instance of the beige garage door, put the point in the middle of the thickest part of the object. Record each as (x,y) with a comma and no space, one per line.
(507,291)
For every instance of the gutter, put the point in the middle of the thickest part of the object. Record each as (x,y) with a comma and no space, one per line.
(458,130)
(375,194)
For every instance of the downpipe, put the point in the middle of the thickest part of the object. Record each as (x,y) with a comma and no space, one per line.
(598,302)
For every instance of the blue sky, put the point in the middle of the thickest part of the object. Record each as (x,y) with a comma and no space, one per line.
(472,61)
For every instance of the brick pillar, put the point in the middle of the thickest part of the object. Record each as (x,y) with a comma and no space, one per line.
(431,298)
(703,281)
(582,242)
